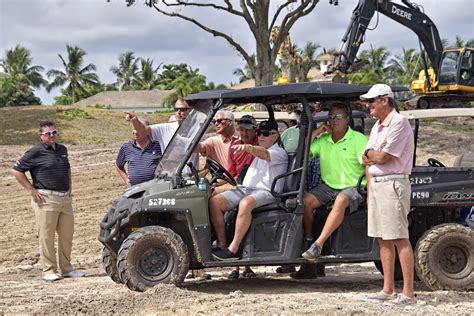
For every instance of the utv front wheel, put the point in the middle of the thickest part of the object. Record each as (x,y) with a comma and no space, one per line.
(152,255)
(109,261)
(444,257)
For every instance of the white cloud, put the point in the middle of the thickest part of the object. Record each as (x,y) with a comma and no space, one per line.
(106,30)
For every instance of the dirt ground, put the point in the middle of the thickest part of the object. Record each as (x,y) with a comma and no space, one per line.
(95,185)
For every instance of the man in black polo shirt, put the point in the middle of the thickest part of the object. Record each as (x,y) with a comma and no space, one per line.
(51,200)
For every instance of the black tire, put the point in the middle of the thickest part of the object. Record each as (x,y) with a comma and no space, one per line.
(109,261)
(152,255)
(397,274)
(444,257)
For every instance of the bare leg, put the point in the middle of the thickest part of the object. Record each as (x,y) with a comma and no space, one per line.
(217,207)
(242,224)
(310,203)
(405,255)
(335,218)
(387,256)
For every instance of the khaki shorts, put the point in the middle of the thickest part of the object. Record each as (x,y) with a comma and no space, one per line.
(388,208)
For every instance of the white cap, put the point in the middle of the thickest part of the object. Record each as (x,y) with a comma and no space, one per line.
(378,90)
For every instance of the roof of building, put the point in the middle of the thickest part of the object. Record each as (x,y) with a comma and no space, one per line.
(127,99)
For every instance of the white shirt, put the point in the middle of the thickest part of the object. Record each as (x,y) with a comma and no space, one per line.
(261,173)
(163,133)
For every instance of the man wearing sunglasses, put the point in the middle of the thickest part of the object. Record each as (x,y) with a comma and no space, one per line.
(388,157)
(218,146)
(162,133)
(340,149)
(51,200)
(270,161)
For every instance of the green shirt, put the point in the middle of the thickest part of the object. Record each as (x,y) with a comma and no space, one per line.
(290,138)
(341,162)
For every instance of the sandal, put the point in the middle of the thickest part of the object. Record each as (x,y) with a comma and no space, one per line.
(234,275)
(248,273)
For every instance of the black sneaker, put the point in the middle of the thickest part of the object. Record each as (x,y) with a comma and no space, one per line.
(288,268)
(224,254)
(248,273)
(306,271)
(233,275)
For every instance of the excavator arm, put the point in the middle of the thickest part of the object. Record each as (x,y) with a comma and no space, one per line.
(409,14)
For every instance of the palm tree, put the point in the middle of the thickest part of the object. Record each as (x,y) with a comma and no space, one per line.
(19,76)
(186,83)
(247,72)
(147,77)
(74,75)
(405,68)
(308,60)
(126,70)
(376,70)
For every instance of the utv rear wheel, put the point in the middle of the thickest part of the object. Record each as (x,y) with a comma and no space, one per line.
(152,255)
(444,257)
(109,261)
(397,274)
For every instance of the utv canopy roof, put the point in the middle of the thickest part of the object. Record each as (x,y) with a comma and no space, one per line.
(288,93)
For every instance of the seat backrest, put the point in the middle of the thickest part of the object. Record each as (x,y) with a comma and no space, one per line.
(292,181)
(464,160)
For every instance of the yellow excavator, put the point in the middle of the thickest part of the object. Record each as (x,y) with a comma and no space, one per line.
(447,82)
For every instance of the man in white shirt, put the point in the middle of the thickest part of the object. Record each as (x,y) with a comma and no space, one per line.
(270,161)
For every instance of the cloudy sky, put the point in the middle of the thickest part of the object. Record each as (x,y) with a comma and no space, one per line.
(105,30)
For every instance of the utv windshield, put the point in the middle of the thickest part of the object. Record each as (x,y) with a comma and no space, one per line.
(180,145)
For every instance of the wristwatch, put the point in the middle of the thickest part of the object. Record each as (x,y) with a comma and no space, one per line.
(366,152)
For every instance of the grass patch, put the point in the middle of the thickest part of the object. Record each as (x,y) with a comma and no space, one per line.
(83,125)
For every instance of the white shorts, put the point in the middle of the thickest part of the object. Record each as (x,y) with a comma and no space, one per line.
(262,197)
(388,208)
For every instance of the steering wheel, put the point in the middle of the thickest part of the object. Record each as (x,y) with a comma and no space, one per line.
(219,172)
(435,163)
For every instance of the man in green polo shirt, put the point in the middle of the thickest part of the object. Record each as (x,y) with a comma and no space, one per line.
(340,150)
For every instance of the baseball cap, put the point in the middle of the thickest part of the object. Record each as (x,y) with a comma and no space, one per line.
(378,90)
(247,122)
(270,125)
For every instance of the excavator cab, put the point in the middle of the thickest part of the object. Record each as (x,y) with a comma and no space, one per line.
(457,70)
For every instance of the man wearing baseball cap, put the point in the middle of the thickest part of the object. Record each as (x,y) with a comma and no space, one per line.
(237,162)
(270,161)
(388,158)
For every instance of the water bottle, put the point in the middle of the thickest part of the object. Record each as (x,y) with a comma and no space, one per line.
(470,218)
(202,185)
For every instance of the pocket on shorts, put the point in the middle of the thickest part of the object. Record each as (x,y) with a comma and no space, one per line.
(398,188)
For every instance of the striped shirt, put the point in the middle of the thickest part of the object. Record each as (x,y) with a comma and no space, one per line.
(141,163)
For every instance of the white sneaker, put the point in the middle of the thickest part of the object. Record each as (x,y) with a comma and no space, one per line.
(402,301)
(380,297)
(73,274)
(51,277)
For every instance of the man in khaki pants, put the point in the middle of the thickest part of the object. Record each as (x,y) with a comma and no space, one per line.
(51,200)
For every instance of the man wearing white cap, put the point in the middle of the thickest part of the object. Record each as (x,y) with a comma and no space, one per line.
(388,157)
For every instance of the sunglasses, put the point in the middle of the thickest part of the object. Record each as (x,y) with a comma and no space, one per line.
(182,110)
(246,122)
(219,121)
(50,133)
(372,100)
(265,133)
(338,116)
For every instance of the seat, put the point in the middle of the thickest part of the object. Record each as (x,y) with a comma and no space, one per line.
(464,160)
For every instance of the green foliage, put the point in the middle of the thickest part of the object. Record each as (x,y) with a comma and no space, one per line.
(181,78)
(75,75)
(18,77)
(126,71)
(86,91)
(376,70)
(72,113)
(102,106)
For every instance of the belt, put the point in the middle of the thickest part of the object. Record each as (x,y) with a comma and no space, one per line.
(389,177)
(56,193)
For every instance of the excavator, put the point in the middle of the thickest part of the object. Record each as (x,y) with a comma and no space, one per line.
(449,79)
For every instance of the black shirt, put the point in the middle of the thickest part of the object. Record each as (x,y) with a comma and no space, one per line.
(49,168)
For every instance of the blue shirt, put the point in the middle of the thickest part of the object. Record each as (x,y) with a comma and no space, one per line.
(141,163)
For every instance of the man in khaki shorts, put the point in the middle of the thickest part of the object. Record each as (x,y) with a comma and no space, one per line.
(388,157)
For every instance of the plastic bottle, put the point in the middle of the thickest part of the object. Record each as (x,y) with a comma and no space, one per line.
(470,218)
(202,185)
